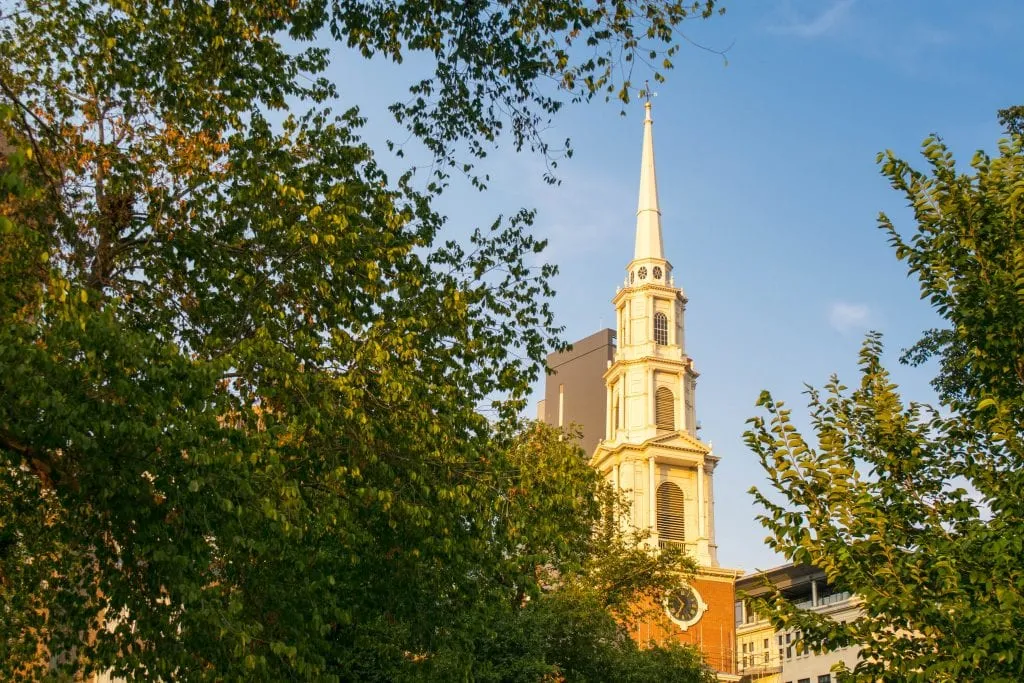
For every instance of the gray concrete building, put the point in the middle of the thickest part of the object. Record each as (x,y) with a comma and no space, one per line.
(574,394)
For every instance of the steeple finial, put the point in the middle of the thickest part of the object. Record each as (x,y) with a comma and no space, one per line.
(648,214)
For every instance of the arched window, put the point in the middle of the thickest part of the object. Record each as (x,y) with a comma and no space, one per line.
(660,329)
(671,525)
(664,410)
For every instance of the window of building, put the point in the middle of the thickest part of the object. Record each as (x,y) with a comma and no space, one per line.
(766,643)
(665,409)
(744,648)
(671,526)
(660,328)
(803,680)
(825,678)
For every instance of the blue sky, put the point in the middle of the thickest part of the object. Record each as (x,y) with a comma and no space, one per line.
(769,194)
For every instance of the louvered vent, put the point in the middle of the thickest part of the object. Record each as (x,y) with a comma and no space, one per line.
(664,410)
(671,526)
(660,329)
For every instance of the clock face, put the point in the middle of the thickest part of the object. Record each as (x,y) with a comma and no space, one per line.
(684,606)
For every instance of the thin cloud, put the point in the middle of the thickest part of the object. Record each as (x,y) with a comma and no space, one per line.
(818,26)
(846,317)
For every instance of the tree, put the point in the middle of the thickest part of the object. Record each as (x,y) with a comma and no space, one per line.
(570,635)
(568,583)
(918,510)
(241,370)
(575,625)
(1012,119)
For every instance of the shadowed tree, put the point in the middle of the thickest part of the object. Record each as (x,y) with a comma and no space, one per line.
(242,369)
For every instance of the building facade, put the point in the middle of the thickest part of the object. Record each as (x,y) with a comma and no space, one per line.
(765,655)
(574,392)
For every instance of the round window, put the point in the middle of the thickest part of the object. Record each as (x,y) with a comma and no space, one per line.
(657,272)
(642,273)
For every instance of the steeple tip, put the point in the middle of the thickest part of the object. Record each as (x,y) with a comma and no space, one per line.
(648,213)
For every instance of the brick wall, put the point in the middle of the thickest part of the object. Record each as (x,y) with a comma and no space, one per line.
(714,635)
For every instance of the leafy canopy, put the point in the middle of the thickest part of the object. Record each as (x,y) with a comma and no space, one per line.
(917,510)
(241,369)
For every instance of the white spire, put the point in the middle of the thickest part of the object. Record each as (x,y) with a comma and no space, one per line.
(648,215)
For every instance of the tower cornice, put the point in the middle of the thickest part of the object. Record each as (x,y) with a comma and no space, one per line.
(670,290)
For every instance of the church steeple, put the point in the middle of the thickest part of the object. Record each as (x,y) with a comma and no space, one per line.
(651,436)
(648,213)
(651,453)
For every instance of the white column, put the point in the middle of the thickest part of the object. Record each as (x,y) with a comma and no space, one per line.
(649,309)
(609,426)
(671,331)
(680,330)
(652,523)
(814,593)
(701,503)
(681,423)
(710,521)
(561,404)
(647,415)
(650,396)
(693,402)
(628,326)
(626,520)
(620,415)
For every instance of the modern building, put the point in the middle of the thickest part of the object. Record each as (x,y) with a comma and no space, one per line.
(757,658)
(765,655)
(646,441)
(574,393)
